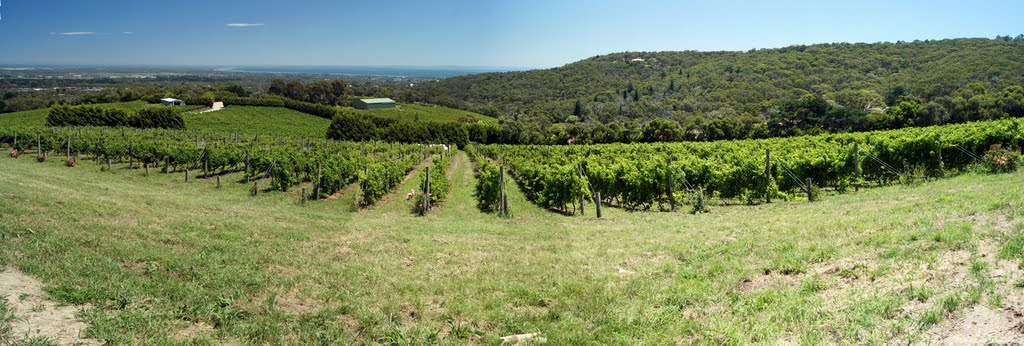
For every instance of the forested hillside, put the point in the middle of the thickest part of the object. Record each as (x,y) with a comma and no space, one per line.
(758,93)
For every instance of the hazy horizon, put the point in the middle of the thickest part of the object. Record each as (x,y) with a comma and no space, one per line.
(527,34)
(509,67)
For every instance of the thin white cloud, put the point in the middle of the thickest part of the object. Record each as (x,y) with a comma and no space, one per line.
(74,33)
(243,25)
(127,32)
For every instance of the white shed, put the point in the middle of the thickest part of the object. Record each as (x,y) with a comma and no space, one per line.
(172,102)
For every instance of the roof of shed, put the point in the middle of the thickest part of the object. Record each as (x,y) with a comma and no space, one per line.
(380,100)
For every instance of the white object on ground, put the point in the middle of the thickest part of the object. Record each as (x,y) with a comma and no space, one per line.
(216,107)
(515,339)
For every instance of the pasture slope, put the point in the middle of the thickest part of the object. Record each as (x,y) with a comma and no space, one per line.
(258,121)
(251,120)
(157,260)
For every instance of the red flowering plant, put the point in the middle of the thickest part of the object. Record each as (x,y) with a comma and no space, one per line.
(14,153)
(1001,160)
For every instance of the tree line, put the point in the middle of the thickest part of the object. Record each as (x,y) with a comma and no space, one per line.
(754,94)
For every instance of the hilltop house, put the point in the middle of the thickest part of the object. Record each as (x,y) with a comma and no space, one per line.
(380,103)
(172,102)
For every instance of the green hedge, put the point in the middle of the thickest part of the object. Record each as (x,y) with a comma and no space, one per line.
(86,115)
(353,127)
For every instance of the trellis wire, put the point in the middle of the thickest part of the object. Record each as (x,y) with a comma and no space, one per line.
(791,174)
(965,151)
(886,165)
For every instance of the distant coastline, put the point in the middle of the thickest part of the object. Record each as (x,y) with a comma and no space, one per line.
(373,71)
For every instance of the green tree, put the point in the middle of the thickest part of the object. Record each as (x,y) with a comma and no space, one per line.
(933,113)
(277,87)
(905,111)
(893,94)
(339,88)
(294,90)
(1012,101)
(320,91)
(795,116)
(236,89)
(662,130)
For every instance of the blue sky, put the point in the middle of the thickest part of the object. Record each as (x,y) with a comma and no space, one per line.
(519,33)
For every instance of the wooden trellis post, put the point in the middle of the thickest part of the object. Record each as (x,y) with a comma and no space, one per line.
(426,193)
(767,175)
(597,203)
(502,198)
(810,190)
(579,169)
(319,181)
(246,166)
(669,187)
(856,167)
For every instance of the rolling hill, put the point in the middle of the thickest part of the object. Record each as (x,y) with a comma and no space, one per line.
(692,86)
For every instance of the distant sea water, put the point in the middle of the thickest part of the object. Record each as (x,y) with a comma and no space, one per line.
(373,71)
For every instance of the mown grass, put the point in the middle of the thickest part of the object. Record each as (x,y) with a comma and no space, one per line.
(427,113)
(154,255)
(258,120)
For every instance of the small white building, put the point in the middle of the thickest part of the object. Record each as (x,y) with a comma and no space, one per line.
(172,102)
(637,60)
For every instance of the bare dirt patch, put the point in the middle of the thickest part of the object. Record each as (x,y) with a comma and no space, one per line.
(193,331)
(294,303)
(288,300)
(764,281)
(1000,269)
(978,325)
(38,316)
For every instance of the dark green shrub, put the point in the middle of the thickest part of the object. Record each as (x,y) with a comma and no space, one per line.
(158,117)
(352,127)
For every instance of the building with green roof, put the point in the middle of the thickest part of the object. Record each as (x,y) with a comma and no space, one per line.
(380,103)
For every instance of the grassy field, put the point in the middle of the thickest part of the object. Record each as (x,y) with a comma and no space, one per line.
(235,119)
(427,113)
(34,118)
(37,118)
(158,260)
(258,120)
